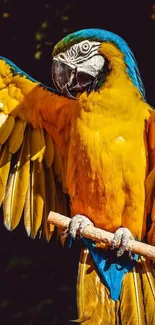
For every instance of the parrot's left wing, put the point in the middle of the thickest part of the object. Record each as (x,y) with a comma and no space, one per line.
(35,124)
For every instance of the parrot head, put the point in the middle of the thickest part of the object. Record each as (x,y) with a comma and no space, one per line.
(83,61)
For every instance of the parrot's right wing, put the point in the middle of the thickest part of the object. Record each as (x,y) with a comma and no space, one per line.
(35,124)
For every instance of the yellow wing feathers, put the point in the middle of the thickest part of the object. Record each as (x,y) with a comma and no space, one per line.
(17,136)
(16,187)
(5,162)
(6,127)
(49,150)
(25,172)
(31,164)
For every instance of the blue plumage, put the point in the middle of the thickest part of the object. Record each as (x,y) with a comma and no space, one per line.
(110,267)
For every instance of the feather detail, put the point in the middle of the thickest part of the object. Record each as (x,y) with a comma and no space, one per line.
(139,301)
(136,305)
(62,176)
(27,211)
(49,151)
(26,104)
(117,312)
(94,303)
(59,168)
(87,287)
(153,211)
(131,300)
(57,162)
(148,286)
(17,188)
(61,207)
(149,190)
(17,136)
(5,161)
(105,310)
(151,140)
(37,144)
(6,127)
(35,198)
(50,202)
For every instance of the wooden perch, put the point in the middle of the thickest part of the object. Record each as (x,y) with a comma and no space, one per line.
(102,236)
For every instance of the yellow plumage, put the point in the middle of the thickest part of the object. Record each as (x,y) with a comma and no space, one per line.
(37,144)
(49,151)
(101,149)
(108,128)
(34,204)
(108,185)
(131,300)
(50,202)
(17,136)
(57,162)
(34,150)
(16,188)
(6,127)
(5,161)
(148,289)
(92,295)
(136,305)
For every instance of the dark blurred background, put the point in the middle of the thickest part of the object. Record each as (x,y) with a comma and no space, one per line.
(38,279)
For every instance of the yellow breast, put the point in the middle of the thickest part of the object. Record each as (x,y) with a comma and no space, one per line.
(107,160)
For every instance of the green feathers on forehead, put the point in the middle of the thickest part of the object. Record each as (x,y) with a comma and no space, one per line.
(65,43)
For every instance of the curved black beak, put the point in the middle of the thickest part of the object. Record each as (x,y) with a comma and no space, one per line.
(61,76)
(68,80)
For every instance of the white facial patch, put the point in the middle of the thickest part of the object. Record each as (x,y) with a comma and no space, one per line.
(92,65)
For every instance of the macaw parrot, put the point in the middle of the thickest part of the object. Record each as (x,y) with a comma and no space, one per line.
(93,138)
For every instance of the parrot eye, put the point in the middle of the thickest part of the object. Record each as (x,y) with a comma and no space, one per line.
(85,47)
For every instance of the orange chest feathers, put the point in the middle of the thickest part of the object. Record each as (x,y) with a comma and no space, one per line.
(107,169)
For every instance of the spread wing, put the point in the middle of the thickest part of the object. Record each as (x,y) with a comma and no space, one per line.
(35,124)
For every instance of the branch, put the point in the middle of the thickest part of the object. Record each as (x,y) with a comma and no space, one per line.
(99,235)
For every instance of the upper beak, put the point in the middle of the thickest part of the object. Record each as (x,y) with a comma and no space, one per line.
(63,75)
(69,79)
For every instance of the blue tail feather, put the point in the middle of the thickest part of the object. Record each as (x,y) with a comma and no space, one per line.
(110,267)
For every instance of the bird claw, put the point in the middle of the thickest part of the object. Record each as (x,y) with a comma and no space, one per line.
(122,236)
(77,225)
